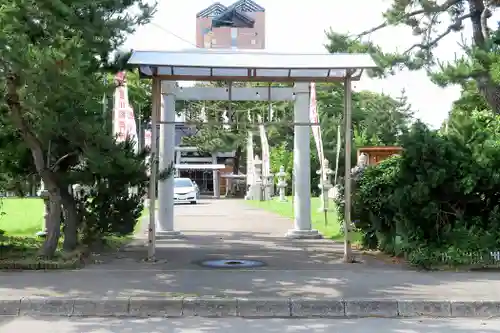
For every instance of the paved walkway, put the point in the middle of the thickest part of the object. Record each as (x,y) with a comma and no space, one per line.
(231,325)
(231,229)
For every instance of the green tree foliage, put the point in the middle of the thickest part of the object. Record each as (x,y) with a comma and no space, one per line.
(16,163)
(439,201)
(106,202)
(52,58)
(434,21)
(378,119)
(282,155)
(214,135)
(139,95)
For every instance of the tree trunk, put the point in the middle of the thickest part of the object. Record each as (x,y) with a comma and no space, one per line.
(32,186)
(17,113)
(490,92)
(53,227)
(71,221)
(237,159)
(487,87)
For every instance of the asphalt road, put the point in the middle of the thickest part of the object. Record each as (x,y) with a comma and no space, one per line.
(231,325)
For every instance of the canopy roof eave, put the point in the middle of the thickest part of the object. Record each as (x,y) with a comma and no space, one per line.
(236,65)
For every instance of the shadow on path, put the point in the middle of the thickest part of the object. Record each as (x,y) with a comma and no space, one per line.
(228,229)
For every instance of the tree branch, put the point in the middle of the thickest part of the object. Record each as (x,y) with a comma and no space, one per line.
(452,27)
(435,9)
(16,113)
(477,7)
(372,30)
(485,14)
(12,97)
(60,160)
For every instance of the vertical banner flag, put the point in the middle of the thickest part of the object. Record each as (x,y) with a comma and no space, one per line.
(266,162)
(250,169)
(250,156)
(316,129)
(124,124)
(147,143)
(147,138)
(338,155)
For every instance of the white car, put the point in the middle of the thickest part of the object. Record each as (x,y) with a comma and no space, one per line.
(185,191)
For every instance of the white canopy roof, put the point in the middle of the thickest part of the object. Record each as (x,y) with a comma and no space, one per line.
(247,65)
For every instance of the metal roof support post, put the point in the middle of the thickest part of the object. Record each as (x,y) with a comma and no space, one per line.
(301,166)
(348,258)
(156,100)
(167,153)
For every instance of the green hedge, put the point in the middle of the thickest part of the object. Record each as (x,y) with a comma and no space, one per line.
(439,202)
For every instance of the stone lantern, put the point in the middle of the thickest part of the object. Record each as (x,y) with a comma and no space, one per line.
(44,195)
(257,165)
(268,186)
(281,183)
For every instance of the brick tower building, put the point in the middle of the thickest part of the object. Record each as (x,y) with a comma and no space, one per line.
(242,25)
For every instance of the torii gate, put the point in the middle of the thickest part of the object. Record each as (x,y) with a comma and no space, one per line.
(166,67)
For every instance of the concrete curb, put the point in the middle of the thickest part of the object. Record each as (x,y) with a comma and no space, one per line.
(244,307)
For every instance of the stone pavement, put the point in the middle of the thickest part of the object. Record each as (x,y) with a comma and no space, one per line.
(295,272)
(231,325)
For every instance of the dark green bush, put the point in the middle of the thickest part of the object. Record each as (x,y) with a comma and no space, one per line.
(111,203)
(440,201)
(373,209)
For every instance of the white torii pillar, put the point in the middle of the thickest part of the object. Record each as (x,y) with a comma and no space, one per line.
(302,166)
(165,220)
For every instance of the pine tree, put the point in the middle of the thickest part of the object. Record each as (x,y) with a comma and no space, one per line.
(52,55)
(480,63)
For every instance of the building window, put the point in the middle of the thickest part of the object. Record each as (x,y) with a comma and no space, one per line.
(253,42)
(234,37)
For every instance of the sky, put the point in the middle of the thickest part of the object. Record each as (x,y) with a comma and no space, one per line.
(174,28)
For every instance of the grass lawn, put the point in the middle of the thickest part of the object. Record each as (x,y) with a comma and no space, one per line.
(21,219)
(329,230)
(21,216)
(24,216)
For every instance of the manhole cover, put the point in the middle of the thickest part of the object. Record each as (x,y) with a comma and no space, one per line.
(231,263)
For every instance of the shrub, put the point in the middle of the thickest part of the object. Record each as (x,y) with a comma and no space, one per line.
(438,202)
(372,206)
(111,199)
